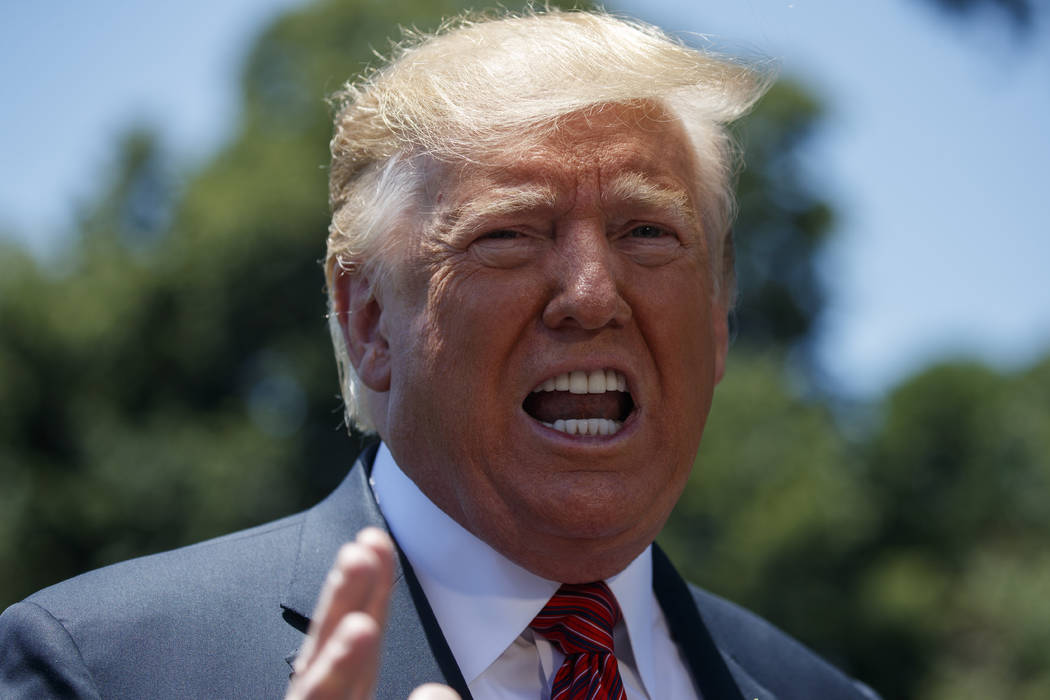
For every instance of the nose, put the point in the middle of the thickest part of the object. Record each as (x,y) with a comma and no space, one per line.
(587,285)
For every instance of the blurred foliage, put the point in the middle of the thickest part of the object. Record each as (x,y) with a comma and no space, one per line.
(168,377)
(781,225)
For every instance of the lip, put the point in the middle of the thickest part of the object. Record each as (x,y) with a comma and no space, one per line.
(592,445)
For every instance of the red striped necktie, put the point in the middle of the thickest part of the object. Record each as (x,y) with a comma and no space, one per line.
(579,620)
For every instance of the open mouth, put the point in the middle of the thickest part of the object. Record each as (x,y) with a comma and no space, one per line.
(582,402)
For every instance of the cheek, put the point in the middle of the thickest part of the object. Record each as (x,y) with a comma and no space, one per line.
(675,314)
(483,312)
(462,343)
(682,338)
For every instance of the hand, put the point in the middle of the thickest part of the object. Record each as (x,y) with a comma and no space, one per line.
(341,655)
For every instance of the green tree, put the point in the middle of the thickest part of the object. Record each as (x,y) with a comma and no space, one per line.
(782,224)
(957,575)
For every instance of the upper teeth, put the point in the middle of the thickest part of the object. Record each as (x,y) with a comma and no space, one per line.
(596,381)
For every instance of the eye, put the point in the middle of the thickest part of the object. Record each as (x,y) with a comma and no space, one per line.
(506,248)
(501,235)
(650,244)
(649,231)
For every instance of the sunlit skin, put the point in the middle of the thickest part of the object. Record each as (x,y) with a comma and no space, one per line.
(582,252)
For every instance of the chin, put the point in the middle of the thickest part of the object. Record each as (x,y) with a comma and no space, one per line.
(582,559)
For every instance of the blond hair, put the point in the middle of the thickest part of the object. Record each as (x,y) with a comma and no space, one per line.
(479,84)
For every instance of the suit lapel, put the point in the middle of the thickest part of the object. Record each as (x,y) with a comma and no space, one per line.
(414,649)
(710,672)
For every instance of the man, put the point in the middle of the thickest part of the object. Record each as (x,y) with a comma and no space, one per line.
(529,274)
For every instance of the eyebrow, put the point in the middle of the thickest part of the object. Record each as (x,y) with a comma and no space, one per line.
(500,202)
(636,189)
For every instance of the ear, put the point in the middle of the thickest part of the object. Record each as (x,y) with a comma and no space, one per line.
(360,315)
(720,332)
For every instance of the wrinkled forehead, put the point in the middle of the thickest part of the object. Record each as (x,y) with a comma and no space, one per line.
(639,151)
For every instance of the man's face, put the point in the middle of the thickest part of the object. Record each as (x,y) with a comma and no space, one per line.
(579,261)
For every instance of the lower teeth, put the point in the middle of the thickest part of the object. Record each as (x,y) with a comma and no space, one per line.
(586,426)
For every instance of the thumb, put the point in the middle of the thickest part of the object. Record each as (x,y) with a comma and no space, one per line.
(433,691)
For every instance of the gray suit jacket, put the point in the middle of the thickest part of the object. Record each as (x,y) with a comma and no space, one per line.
(224,619)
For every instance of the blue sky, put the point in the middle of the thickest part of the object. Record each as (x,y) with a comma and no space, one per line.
(934,149)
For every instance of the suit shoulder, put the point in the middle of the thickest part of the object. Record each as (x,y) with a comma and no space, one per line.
(247,560)
(771,657)
(203,620)
(40,659)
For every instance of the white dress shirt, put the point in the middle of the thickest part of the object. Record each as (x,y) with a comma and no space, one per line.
(484,603)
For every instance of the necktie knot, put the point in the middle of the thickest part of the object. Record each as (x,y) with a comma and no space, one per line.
(579,618)
(579,621)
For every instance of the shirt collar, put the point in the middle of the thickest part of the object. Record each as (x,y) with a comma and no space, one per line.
(633,588)
(481,599)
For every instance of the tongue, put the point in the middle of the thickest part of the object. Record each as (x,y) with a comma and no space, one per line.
(549,406)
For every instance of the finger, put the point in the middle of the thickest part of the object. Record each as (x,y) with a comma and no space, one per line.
(433,691)
(348,587)
(344,666)
(382,546)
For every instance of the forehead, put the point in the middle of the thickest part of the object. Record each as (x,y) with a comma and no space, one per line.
(613,152)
